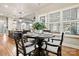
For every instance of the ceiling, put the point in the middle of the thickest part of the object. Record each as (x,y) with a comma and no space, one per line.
(28,10)
(20,9)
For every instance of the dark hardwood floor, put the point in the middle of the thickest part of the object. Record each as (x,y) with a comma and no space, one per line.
(7,48)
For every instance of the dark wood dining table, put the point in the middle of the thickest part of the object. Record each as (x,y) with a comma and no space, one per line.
(39,38)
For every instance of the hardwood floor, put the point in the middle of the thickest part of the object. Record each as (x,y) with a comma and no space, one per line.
(7,48)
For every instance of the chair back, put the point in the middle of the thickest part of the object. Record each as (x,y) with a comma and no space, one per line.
(62,37)
(19,43)
(25,31)
(57,41)
(56,46)
(17,37)
(47,31)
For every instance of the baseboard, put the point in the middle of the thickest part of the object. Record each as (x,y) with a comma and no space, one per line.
(71,45)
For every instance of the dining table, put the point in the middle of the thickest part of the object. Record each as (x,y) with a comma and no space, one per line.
(39,39)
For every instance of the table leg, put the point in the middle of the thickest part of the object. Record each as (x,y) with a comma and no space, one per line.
(40,43)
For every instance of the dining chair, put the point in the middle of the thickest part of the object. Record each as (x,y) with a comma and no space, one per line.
(47,31)
(25,32)
(23,48)
(54,47)
(17,38)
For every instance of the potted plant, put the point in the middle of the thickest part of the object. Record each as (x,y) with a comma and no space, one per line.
(38,27)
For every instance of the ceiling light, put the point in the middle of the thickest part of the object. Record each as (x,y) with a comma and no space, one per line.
(21,13)
(6,6)
(20,20)
(30,24)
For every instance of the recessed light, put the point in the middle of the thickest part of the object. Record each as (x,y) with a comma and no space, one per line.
(30,25)
(21,13)
(20,20)
(6,6)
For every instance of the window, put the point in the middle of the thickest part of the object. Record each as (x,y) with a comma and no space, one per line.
(70,28)
(54,17)
(66,15)
(70,14)
(42,19)
(55,27)
(67,27)
(77,27)
(69,22)
(73,28)
(73,14)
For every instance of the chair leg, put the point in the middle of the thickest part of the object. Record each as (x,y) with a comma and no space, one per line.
(24,54)
(47,53)
(59,52)
(17,54)
(30,54)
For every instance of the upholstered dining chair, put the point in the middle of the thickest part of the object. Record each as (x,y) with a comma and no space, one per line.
(54,46)
(23,48)
(47,31)
(25,32)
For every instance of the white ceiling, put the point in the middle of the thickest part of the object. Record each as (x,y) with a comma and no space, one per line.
(13,9)
(27,10)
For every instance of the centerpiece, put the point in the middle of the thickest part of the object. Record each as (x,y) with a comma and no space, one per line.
(38,27)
